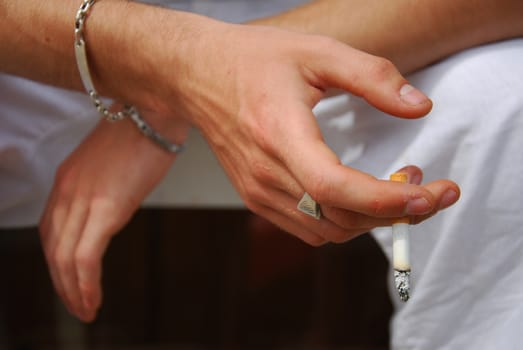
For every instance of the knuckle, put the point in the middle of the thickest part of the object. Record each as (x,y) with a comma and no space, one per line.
(86,288)
(254,194)
(65,186)
(102,203)
(84,260)
(326,43)
(319,189)
(262,172)
(257,126)
(63,177)
(375,207)
(60,260)
(381,68)
(264,140)
(114,214)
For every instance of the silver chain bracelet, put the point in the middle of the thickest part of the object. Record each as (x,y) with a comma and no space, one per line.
(128,111)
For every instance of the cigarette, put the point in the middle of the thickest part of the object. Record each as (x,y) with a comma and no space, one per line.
(400,249)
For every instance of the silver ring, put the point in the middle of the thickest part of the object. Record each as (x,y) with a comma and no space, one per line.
(309,206)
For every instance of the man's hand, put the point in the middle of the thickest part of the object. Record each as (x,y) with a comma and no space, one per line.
(96,191)
(252,100)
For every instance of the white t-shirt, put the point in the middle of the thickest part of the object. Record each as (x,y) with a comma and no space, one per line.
(467,277)
(39,127)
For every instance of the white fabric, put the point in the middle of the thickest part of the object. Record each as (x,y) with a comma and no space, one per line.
(235,11)
(39,126)
(467,261)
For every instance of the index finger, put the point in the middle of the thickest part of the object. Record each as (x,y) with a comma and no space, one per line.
(317,168)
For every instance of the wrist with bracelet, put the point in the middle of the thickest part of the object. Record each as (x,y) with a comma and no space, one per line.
(128,111)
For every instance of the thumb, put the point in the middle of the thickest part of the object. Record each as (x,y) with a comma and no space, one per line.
(374,78)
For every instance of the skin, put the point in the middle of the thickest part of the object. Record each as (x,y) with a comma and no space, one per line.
(183,71)
(412,34)
(97,189)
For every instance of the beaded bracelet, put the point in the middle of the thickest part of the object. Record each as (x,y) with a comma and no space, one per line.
(128,111)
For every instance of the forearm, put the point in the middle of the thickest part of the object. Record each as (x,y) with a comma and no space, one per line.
(36,41)
(412,34)
(132,48)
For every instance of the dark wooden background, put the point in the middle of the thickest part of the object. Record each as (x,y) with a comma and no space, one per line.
(203,279)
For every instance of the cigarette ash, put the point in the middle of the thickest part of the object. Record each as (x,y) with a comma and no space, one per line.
(402,281)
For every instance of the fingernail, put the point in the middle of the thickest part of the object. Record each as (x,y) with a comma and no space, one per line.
(412,96)
(450,197)
(418,206)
